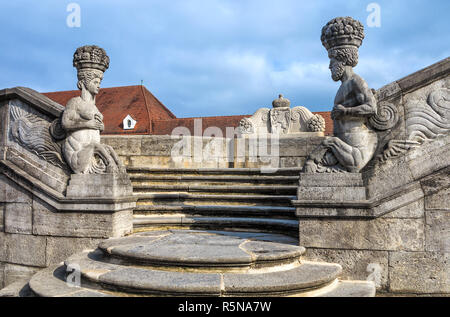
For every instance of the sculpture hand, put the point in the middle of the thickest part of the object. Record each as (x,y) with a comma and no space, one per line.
(94,124)
(98,117)
(338,112)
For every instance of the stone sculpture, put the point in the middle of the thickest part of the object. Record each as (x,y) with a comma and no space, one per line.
(282,120)
(354,141)
(83,122)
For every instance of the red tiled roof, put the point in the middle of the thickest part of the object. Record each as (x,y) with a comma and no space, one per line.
(152,116)
(117,102)
(162,127)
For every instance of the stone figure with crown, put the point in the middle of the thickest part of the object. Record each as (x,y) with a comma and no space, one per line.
(83,122)
(354,141)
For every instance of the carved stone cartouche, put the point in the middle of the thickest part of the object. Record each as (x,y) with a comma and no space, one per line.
(282,120)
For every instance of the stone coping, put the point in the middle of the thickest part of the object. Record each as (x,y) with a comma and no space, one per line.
(44,103)
(389,196)
(356,208)
(61,202)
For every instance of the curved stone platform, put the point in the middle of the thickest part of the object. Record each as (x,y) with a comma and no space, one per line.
(198,263)
(185,249)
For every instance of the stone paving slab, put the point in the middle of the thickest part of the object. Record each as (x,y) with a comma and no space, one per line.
(352,289)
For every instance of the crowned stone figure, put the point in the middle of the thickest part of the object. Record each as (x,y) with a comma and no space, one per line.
(83,122)
(354,141)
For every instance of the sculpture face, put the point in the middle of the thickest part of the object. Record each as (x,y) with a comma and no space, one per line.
(93,86)
(337,69)
(90,79)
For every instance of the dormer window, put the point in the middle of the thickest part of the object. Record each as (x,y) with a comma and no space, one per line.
(129,123)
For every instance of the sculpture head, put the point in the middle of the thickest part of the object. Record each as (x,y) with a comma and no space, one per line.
(342,37)
(91,62)
(341,57)
(90,79)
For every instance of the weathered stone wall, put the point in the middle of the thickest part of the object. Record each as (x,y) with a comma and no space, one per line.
(406,251)
(163,151)
(28,241)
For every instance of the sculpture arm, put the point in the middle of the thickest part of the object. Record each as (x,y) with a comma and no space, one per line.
(367,104)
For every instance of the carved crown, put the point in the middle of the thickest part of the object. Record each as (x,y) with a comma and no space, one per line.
(281,102)
(90,56)
(342,32)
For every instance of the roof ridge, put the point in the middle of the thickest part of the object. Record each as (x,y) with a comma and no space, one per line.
(148,110)
(160,103)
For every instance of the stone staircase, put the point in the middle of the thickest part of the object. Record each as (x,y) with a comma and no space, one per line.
(222,199)
(197,263)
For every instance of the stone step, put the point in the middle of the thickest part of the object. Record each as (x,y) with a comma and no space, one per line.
(196,263)
(213,178)
(132,170)
(222,189)
(51,282)
(182,198)
(216,181)
(288,227)
(214,198)
(199,250)
(221,210)
(199,263)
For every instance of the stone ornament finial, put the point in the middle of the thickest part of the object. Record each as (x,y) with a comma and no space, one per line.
(316,123)
(91,57)
(281,102)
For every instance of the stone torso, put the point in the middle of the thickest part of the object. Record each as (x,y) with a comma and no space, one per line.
(354,130)
(347,97)
(87,111)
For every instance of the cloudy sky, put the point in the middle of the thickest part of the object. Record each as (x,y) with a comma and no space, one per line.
(217,57)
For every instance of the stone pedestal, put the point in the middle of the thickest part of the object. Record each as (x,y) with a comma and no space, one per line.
(331,194)
(105,199)
(333,186)
(99,185)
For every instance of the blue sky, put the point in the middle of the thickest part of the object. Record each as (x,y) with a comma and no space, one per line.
(217,57)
